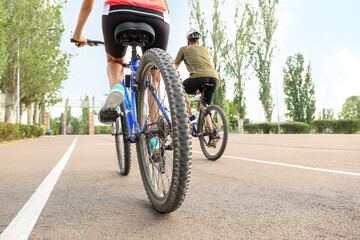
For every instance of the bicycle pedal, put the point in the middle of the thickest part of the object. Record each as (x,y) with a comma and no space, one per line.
(108,115)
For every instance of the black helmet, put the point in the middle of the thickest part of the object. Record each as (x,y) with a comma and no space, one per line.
(193,34)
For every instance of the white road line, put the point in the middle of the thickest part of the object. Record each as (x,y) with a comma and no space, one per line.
(289,165)
(22,225)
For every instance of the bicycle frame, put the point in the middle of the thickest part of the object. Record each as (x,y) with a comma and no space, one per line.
(130,102)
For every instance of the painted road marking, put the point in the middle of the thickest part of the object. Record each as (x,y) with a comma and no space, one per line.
(22,225)
(289,165)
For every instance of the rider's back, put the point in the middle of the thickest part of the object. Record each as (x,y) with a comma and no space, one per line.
(197,61)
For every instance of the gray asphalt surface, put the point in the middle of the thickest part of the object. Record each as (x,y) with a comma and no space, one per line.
(227,199)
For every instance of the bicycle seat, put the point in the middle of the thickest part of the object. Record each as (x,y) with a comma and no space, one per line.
(206,85)
(134,34)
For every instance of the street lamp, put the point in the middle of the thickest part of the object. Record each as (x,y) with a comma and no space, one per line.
(18,75)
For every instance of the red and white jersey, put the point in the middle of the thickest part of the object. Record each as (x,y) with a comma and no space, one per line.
(158,5)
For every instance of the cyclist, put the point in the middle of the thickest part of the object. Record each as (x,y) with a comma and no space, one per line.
(152,12)
(197,61)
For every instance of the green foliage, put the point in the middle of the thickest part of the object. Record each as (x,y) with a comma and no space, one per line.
(294,128)
(3,39)
(86,127)
(300,100)
(197,18)
(251,128)
(218,42)
(85,110)
(103,129)
(351,108)
(240,51)
(263,53)
(76,125)
(347,126)
(326,114)
(43,67)
(55,125)
(286,128)
(10,132)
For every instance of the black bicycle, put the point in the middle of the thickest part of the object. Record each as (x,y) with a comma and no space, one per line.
(211,128)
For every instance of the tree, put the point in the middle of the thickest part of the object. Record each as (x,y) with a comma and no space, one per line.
(351,108)
(300,91)
(263,54)
(76,125)
(240,53)
(85,109)
(327,114)
(43,67)
(197,18)
(218,42)
(68,112)
(3,40)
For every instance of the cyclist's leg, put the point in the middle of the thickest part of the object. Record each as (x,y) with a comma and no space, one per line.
(208,98)
(115,69)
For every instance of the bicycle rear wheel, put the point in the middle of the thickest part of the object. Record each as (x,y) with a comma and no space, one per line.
(122,142)
(213,143)
(165,171)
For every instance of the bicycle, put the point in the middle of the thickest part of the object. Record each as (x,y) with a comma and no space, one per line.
(152,109)
(212,141)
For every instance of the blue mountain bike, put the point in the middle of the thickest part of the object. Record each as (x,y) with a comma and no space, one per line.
(154,108)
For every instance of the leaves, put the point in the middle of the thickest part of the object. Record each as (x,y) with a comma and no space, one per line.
(262,58)
(43,67)
(240,51)
(299,89)
(351,108)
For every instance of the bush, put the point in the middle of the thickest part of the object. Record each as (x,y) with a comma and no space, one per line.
(286,128)
(102,129)
(295,128)
(268,127)
(323,126)
(347,126)
(9,131)
(251,128)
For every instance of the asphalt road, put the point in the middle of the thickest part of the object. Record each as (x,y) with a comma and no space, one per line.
(264,187)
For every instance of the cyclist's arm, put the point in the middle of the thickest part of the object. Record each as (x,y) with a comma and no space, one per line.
(85,11)
(180,57)
(167,6)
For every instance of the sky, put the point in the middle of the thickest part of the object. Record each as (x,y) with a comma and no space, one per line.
(324,31)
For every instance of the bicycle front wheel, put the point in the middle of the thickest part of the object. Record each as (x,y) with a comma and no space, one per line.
(163,148)
(122,142)
(214,133)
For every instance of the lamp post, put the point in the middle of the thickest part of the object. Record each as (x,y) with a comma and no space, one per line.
(18,76)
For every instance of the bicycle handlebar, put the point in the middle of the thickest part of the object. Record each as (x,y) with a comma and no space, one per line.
(90,42)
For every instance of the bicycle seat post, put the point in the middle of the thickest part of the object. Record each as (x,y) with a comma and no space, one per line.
(134,56)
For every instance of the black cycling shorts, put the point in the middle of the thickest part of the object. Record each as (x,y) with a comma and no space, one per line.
(111,21)
(193,84)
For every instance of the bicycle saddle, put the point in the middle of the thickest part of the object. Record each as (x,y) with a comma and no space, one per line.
(206,85)
(134,34)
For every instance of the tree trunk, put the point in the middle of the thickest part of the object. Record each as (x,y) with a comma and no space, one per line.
(36,119)
(30,118)
(10,105)
(240,123)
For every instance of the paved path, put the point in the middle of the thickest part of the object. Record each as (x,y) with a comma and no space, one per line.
(264,187)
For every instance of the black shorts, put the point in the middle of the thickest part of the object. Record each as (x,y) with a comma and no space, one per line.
(119,14)
(193,84)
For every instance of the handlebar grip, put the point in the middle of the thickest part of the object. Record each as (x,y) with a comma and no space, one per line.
(89,42)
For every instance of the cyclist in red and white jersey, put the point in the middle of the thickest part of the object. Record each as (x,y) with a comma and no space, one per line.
(152,12)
